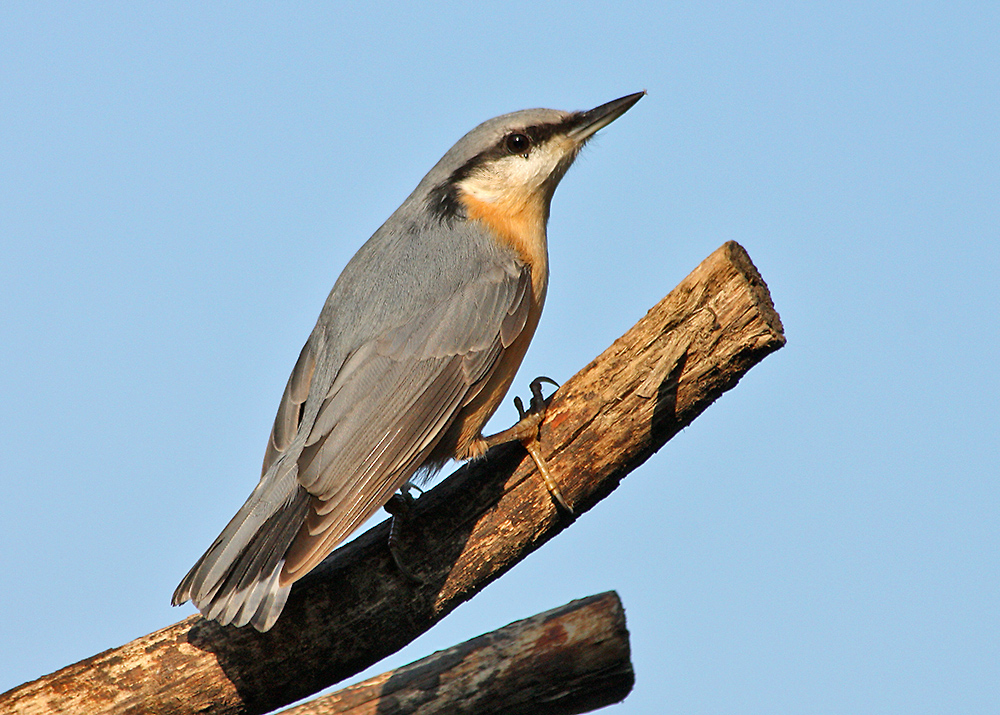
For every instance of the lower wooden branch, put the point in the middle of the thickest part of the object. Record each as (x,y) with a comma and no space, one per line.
(572,659)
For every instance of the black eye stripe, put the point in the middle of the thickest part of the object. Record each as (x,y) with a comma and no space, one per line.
(518,143)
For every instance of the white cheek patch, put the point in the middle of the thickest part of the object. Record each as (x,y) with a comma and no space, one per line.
(515,175)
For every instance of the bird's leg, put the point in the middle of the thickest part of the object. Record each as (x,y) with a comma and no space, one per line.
(399,506)
(526,432)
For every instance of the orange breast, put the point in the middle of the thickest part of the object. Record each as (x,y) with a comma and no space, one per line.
(519,224)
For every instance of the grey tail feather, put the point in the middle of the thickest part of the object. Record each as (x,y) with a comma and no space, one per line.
(236,580)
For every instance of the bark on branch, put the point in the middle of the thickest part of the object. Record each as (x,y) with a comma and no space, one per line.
(356,607)
(572,659)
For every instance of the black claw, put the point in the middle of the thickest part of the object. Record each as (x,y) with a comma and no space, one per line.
(407,574)
(537,382)
(521,412)
(538,401)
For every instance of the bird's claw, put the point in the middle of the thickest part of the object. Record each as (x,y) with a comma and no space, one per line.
(538,401)
(536,410)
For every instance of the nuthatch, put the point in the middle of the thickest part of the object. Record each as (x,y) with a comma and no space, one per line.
(413,351)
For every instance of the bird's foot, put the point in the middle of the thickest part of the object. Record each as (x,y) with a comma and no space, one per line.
(526,432)
(399,506)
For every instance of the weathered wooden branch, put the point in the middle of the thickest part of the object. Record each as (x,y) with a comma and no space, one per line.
(572,659)
(356,607)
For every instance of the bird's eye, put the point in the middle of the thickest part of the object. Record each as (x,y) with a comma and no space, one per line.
(518,144)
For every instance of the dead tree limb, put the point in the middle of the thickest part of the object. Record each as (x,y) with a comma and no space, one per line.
(356,608)
(572,659)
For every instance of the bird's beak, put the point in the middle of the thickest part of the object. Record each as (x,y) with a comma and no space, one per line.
(585,124)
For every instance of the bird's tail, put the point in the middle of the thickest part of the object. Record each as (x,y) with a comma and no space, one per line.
(236,580)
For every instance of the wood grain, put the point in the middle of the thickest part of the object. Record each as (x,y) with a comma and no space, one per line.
(572,659)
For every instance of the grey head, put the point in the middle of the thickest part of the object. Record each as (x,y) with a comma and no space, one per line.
(549,139)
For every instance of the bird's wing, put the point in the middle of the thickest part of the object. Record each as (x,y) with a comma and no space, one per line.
(286,422)
(391,401)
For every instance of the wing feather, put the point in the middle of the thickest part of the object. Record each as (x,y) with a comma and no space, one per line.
(393,402)
(333,519)
(350,430)
(286,422)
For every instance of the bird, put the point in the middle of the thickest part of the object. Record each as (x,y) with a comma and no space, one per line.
(414,349)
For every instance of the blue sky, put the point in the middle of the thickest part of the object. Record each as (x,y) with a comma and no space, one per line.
(180,186)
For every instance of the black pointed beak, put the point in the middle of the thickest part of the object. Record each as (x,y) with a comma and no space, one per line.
(585,124)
